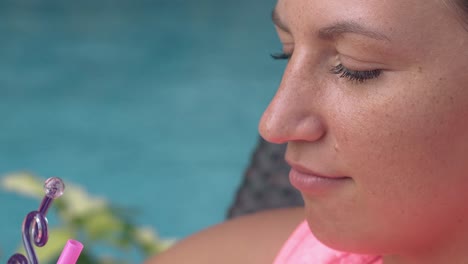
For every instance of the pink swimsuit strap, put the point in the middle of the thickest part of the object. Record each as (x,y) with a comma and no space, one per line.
(303,248)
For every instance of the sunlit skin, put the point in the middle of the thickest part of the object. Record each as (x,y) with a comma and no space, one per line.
(401,137)
(375,93)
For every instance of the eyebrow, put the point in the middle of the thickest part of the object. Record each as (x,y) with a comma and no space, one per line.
(335,30)
(340,28)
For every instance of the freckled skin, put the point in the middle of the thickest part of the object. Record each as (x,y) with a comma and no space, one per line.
(402,137)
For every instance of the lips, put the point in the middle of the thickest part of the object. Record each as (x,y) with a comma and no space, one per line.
(311,183)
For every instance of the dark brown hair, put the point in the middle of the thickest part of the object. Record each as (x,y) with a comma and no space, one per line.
(462,6)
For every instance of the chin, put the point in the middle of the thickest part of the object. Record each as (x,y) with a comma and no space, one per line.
(344,237)
(351,244)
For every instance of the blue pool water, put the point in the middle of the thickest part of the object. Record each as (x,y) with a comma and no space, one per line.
(151,104)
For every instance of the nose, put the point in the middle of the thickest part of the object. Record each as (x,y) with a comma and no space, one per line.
(294,112)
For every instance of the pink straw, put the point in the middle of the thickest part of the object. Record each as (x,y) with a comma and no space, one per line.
(71,252)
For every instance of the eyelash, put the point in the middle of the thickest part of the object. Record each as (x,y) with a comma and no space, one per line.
(280,56)
(357,76)
(340,70)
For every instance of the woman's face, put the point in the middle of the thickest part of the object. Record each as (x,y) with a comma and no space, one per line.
(376,91)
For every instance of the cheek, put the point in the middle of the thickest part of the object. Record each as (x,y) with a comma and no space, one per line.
(404,155)
(412,131)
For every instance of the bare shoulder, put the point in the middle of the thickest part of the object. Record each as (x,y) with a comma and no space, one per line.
(254,239)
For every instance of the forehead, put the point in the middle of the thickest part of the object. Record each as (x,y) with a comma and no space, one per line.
(370,8)
(383,15)
(412,25)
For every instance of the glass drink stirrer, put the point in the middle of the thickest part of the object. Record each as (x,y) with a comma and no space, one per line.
(35,223)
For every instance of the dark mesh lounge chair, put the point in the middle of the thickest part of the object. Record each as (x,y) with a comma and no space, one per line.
(265,184)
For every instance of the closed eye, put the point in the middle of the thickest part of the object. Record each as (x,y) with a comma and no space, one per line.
(280,56)
(353,75)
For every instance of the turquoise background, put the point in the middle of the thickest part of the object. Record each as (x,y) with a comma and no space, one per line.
(153,105)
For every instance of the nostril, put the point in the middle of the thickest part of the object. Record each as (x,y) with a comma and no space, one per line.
(311,128)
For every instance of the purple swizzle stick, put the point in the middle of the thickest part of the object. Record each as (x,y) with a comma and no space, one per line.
(35,223)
